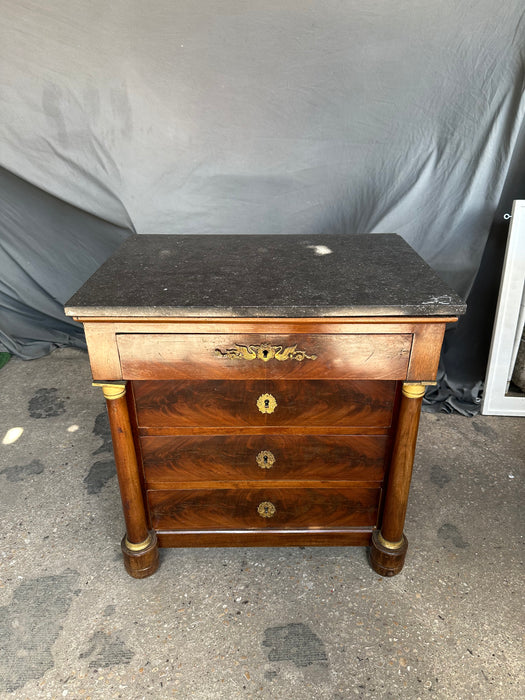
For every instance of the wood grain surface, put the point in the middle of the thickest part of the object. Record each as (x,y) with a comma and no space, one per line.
(232,509)
(225,403)
(235,356)
(334,537)
(217,458)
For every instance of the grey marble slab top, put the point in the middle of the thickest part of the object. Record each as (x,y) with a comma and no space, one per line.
(264,276)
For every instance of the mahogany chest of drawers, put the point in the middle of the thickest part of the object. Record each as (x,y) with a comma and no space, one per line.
(264,390)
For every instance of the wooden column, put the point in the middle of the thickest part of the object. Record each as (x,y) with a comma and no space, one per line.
(139,545)
(389,545)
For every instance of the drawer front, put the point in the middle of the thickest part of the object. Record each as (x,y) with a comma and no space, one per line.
(264,403)
(190,458)
(260,356)
(254,509)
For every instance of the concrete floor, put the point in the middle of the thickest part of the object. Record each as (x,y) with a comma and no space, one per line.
(295,623)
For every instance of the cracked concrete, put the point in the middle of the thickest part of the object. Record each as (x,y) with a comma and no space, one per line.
(297,623)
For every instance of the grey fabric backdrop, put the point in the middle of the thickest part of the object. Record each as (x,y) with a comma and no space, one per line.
(247,117)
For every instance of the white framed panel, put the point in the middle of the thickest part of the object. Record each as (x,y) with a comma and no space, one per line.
(508,325)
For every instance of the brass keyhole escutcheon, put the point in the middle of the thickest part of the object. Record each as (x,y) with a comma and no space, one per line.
(266,509)
(265,459)
(266,403)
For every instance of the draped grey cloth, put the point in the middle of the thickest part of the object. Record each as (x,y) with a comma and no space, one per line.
(246,117)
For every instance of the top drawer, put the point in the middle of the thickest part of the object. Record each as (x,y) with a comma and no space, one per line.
(262,356)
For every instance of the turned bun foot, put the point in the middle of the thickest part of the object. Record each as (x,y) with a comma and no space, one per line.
(144,561)
(384,560)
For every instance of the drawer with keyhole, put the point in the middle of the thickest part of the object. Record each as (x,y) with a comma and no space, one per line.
(168,460)
(351,355)
(263,508)
(179,404)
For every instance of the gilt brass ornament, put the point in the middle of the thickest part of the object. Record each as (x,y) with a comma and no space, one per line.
(266,403)
(265,459)
(264,352)
(139,546)
(414,390)
(113,390)
(266,509)
(387,543)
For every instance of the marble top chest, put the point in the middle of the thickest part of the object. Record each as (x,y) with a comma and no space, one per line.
(264,390)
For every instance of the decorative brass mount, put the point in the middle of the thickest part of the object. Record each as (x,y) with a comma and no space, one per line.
(264,352)
(387,543)
(414,390)
(138,547)
(112,390)
(266,403)
(265,459)
(266,509)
